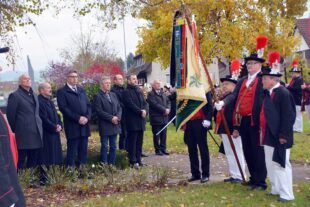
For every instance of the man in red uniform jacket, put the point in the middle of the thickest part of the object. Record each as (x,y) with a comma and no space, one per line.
(247,99)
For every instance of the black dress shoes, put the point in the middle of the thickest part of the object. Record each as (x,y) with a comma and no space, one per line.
(204,179)
(165,153)
(141,164)
(159,153)
(228,180)
(257,187)
(193,178)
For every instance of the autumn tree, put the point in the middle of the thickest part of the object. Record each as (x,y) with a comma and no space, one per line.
(227,28)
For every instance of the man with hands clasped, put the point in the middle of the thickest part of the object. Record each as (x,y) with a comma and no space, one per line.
(159,105)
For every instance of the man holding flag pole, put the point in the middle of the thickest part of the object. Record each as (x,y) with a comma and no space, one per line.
(188,72)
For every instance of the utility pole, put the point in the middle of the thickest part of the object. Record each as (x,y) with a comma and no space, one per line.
(125,58)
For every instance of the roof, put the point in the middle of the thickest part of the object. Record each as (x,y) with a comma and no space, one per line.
(146,67)
(303,26)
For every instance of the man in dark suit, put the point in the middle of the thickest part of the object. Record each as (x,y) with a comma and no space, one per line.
(25,122)
(76,109)
(277,118)
(159,106)
(136,112)
(52,126)
(118,88)
(109,114)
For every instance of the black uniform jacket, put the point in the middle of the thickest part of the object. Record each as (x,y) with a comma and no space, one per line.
(280,114)
(296,90)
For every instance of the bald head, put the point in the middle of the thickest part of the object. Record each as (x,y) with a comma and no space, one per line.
(156,85)
(118,80)
(45,89)
(25,81)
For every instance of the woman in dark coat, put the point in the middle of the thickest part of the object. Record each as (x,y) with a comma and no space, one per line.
(51,123)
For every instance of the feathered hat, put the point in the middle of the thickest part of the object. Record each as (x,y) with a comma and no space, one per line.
(295,66)
(273,68)
(261,42)
(234,70)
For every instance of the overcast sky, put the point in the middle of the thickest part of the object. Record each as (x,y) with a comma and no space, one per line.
(53,33)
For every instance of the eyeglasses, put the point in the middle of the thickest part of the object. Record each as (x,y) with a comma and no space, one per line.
(252,63)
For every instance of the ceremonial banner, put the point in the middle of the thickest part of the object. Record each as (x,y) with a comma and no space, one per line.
(187,71)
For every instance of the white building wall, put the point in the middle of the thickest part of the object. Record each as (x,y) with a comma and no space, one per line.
(158,73)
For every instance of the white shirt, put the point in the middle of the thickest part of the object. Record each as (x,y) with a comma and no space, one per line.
(73,88)
(251,78)
(276,86)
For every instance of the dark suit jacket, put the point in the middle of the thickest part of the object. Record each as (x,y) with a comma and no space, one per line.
(10,190)
(118,90)
(296,90)
(105,111)
(24,119)
(257,99)
(134,102)
(73,105)
(280,114)
(158,103)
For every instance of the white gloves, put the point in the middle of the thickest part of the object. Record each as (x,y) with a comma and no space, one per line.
(206,123)
(219,105)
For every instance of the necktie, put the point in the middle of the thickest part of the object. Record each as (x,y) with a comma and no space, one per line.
(108,96)
(74,89)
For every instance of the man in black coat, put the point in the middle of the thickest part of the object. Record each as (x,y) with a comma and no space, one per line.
(136,112)
(276,122)
(10,190)
(247,98)
(76,109)
(25,122)
(159,106)
(296,90)
(196,135)
(52,126)
(118,88)
(109,113)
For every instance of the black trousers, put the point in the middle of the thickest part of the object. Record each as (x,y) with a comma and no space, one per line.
(122,144)
(195,134)
(160,140)
(31,155)
(77,148)
(135,142)
(253,153)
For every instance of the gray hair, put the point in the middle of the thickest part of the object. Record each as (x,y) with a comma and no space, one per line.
(104,78)
(41,86)
(21,76)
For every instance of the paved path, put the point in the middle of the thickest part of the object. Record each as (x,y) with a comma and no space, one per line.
(218,166)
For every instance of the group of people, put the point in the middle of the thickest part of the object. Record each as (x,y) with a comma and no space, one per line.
(259,110)
(262,113)
(120,111)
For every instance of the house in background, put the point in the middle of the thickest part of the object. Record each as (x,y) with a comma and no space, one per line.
(303,31)
(147,72)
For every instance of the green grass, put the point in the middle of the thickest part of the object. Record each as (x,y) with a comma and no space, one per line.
(300,151)
(216,194)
